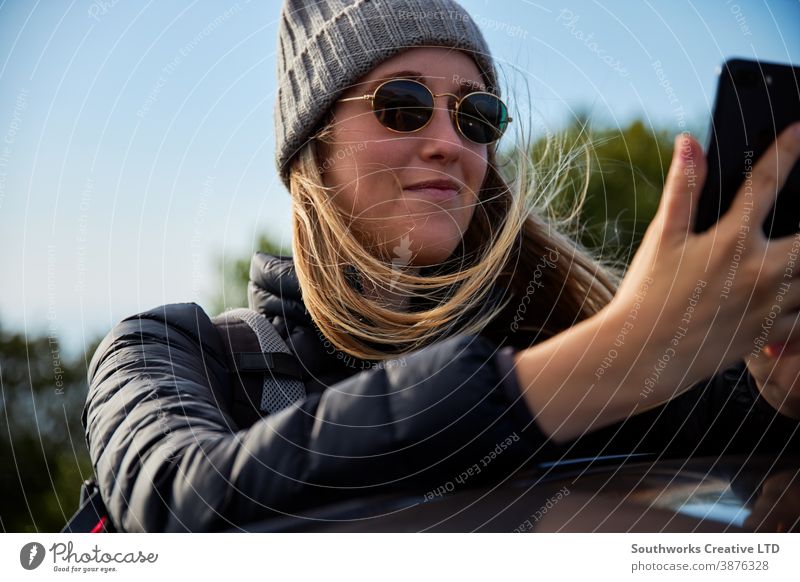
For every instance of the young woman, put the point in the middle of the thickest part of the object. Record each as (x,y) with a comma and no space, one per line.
(435,317)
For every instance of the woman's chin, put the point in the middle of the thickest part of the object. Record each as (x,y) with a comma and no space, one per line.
(433,253)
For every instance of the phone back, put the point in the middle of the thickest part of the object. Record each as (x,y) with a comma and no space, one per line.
(755,102)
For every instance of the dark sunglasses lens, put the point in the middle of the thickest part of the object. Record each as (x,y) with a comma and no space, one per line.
(403,105)
(483,118)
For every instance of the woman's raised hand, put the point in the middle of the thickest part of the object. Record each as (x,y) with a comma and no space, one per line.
(714,297)
(689,305)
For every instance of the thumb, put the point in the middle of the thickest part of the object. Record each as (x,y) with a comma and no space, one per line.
(687,173)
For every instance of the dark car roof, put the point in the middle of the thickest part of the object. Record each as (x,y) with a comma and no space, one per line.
(607,494)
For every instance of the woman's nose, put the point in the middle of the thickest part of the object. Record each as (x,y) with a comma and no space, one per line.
(442,138)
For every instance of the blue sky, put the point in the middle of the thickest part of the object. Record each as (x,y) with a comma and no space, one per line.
(136,139)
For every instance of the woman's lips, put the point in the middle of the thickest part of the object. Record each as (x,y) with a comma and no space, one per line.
(436,192)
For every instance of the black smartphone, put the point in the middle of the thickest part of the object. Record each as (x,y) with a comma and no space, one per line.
(755,102)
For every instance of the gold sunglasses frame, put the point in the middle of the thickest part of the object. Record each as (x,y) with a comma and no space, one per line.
(453,111)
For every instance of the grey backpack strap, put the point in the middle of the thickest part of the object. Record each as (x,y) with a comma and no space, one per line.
(282,374)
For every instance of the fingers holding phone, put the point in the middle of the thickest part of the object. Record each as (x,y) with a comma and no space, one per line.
(781,256)
(752,192)
(759,191)
(741,278)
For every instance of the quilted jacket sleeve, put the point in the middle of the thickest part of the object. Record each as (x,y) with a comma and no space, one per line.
(168,458)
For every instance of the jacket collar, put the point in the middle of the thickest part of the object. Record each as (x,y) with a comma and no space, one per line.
(274,289)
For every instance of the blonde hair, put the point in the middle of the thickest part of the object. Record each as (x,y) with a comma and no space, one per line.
(513,242)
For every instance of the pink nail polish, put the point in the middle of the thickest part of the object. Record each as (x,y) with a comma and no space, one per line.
(775,349)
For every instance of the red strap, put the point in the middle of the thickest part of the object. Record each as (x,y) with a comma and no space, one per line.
(101,525)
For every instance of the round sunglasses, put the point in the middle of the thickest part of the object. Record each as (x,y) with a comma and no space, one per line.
(406,106)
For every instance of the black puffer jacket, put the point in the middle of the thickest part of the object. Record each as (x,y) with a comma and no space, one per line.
(167,458)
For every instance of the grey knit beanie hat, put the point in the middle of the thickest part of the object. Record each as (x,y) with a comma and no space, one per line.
(325,46)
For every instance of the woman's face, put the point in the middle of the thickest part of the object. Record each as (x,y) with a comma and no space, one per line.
(378,176)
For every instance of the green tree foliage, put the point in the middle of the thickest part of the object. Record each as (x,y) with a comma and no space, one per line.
(618,172)
(236,274)
(42,445)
